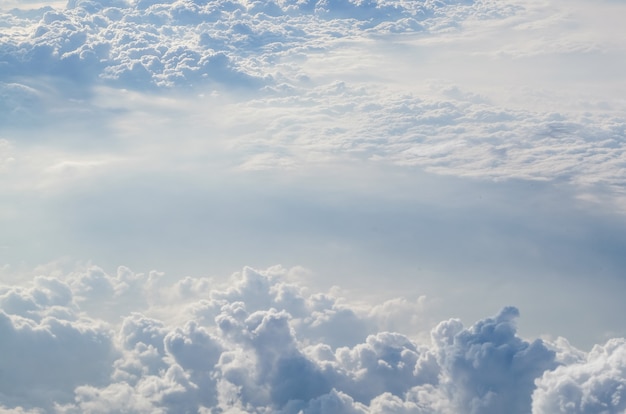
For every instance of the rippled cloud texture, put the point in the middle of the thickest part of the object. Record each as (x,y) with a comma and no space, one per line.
(414,165)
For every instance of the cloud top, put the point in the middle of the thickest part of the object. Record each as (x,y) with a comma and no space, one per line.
(261,346)
(149,44)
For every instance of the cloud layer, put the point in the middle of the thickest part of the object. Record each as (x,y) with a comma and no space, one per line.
(323,80)
(135,127)
(156,44)
(265,344)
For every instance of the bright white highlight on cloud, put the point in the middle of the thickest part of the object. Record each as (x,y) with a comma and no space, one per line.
(441,161)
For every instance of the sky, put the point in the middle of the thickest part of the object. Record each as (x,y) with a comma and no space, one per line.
(312,206)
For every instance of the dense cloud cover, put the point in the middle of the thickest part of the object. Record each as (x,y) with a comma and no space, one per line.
(114,116)
(268,345)
(152,44)
(268,49)
(449,132)
(592,383)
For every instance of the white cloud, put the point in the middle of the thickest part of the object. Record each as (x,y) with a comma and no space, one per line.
(196,135)
(152,44)
(594,384)
(257,356)
(43,361)
(333,91)
(489,368)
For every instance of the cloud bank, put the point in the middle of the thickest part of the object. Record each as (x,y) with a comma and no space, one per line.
(323,80)
(267,344)
(162,44)
(124,121)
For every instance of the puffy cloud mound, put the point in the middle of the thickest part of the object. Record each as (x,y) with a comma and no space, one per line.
(266,345)
(489,369)
(147,44)
(46,349)
(595,383)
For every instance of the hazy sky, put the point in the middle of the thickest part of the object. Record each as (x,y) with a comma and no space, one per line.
(387,173)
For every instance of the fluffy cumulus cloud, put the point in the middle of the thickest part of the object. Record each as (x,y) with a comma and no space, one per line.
(266,344)
(490,369)
(48,348)
(152,44)
(594,383)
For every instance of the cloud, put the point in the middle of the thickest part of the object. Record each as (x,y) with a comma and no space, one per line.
(593,383)
(356,107)
(250,348)
(128,128)
(101,294)
(489,368)
(19,103)
(44,360)
(160,44)
(453,133)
